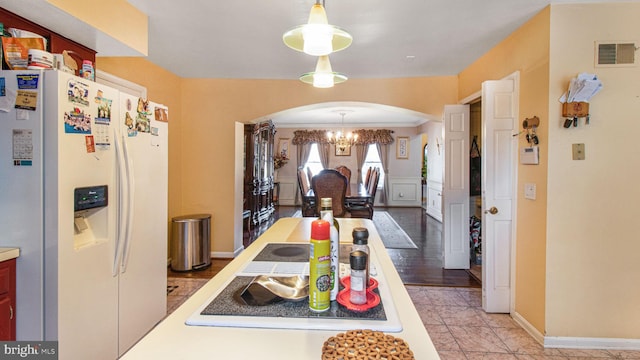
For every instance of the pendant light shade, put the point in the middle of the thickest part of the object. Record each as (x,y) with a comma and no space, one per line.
(317,37)
(323,77)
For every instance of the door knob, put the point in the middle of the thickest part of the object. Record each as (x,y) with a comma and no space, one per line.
(493,210)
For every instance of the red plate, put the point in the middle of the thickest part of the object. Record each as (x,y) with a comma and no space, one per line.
(372,301)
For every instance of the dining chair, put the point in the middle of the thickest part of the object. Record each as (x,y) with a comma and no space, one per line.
(309,177)
(374,185)
(347,173)
(367,178)
(308,205)
(329,183)
(303,181)
(363,210)
(366,209)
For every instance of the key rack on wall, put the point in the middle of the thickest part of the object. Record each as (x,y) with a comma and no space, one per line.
(529,126)
(574,110)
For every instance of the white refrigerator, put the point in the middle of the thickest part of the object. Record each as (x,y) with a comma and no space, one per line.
(83,183)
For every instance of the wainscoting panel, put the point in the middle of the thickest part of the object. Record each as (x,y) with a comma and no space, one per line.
(405,191)
(434,199)
(288,188)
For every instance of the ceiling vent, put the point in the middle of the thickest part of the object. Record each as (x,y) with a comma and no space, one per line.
(616,54)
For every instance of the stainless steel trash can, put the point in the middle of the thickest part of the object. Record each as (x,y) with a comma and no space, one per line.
(190,242)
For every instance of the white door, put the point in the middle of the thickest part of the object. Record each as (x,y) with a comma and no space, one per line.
(456,187)
(499,150)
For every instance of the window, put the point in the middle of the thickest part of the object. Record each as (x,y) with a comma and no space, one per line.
(373,160)
(313,163)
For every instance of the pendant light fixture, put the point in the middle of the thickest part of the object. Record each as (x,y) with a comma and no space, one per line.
(323,77)
(317,37)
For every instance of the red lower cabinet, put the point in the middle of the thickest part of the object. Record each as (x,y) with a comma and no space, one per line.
(8,300)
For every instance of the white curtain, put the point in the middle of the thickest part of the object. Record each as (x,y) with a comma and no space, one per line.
(361,155)
(383,150)
(302,155)
(324,150)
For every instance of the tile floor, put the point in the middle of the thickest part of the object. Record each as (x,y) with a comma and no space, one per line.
(180,289)
(460,329)
(456,324)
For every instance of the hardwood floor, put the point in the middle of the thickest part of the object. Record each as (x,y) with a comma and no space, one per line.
(421,266)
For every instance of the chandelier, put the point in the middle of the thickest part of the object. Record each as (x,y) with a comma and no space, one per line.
(341,140)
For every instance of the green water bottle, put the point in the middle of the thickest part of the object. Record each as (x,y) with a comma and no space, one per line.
(319,266)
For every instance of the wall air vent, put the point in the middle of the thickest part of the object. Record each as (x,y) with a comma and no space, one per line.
(616,53)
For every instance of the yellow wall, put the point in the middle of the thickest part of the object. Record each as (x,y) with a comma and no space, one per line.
(592,238)
(527,51)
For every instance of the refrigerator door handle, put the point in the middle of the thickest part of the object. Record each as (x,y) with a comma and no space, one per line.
(122,196)
(130,178)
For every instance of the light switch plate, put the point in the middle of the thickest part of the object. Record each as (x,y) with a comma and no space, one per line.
(578,151)
(530,191)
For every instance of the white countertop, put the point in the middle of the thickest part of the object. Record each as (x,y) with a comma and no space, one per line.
(9,253)
(172,339)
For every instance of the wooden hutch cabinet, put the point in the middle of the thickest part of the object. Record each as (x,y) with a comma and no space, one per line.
(258,170)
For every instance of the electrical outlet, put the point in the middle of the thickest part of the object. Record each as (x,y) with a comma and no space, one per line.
(578,151)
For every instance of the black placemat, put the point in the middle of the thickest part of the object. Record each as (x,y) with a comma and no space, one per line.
(226,304)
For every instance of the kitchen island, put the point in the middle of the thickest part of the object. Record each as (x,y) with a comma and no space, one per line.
(174,339)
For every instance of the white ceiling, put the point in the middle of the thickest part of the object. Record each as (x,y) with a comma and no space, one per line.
(391,39)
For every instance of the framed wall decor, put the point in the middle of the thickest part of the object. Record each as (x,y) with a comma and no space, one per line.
(402,147)
(343,151)
(283,147)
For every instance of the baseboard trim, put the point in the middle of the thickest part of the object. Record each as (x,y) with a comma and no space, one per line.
(530,329)
(575,342)
(238,251)
(223,255)
(591,343)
